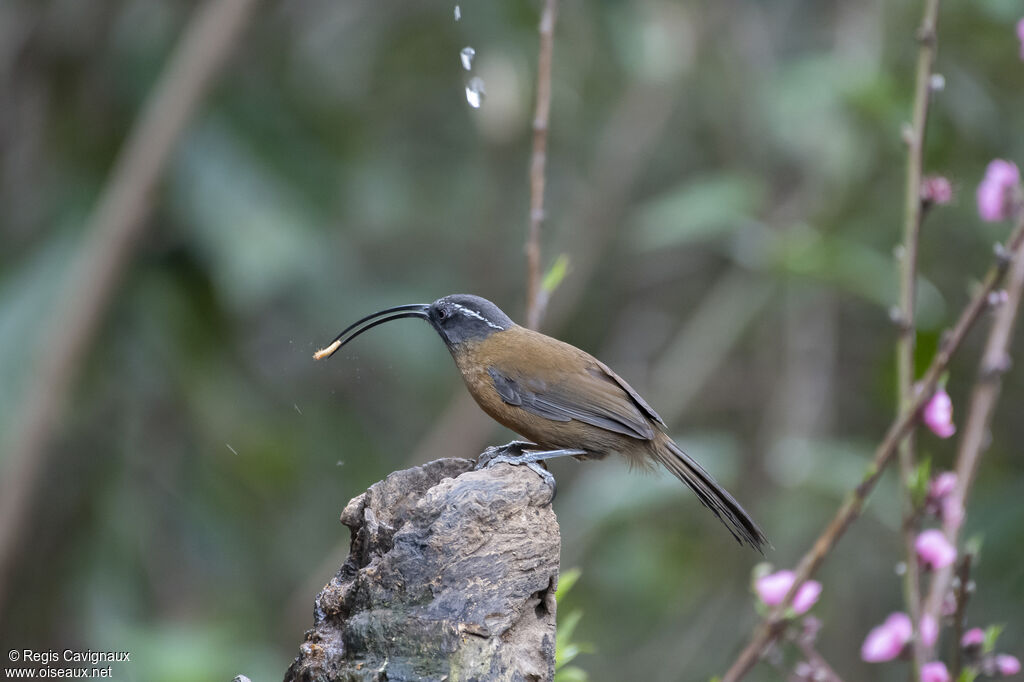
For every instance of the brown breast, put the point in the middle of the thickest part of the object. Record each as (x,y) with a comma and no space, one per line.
(573,376)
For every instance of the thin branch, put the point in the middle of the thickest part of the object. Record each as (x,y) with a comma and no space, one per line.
(535,295)
(818,661)
(984,396)
(913,214)
(113,230)
(768,630)
(963,595)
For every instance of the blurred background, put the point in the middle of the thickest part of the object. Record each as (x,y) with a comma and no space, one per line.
(725,179)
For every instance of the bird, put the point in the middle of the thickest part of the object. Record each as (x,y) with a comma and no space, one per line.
(563,400)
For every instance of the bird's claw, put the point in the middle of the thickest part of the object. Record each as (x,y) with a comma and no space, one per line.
(525,454)
(496,455)
(514,449)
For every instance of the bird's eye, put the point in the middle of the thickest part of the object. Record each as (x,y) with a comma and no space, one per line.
(442,314)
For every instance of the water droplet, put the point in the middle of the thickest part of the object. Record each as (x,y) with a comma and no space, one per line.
(466,56)
(901,568)
(475,92)
(458,13)
(296,406)
(340,463)
(231,448)
(937,82)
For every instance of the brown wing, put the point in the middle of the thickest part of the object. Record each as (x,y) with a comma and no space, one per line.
(574,386)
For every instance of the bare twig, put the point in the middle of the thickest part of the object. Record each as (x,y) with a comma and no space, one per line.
(963,595)
(114,228)
(995,360)
(913,213)
(769,628)
(535,295)
(818,661)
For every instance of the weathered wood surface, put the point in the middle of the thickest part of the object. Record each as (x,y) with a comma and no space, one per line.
(450,576)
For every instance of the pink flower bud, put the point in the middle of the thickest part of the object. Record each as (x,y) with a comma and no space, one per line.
(1007,665)
(938,414)
(934,672)
(972,638)
(942,485)
(936,189)
(929,630)
(995,192)
(934,550)
(899,623)
(1020,36)
(806,596)
(772,589)
(886,641)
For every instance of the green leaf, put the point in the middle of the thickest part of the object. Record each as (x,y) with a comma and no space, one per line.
(992,633)
(556,274)
(570,652)
(565,649)
(697,210)
(571,674)
(973,545)
(919,480)
(566,629)
(967,675)
(565,582)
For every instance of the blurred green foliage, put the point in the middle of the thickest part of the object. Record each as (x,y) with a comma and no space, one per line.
(190,512)
(566,647)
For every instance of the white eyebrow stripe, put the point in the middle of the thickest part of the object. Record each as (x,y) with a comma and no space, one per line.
(475,314)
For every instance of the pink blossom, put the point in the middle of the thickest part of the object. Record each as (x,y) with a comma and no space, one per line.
(934,550)
(973,637)
(886,641)
(806,596)
(934,672)
(938,414)
(1007,665)
(929,630)
(772,589)
(936,189)
(995,192)
(942,485)
(899,623)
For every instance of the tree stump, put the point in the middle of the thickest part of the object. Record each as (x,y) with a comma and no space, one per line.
(451,575)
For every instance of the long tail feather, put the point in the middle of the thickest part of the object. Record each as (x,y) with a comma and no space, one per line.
(711,494)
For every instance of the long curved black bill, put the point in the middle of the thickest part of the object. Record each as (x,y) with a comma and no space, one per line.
(380,317)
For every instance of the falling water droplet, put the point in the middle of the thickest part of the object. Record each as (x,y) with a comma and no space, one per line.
(458,13)
(466,56)
(475,92)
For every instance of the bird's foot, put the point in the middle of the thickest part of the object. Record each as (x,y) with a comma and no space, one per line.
(514,449)
(531,458)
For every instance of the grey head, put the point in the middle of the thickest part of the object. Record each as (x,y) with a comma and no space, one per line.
(464,317)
